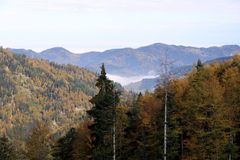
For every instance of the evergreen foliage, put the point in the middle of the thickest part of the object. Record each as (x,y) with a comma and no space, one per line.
(199,65)
(103,114)
(64,149)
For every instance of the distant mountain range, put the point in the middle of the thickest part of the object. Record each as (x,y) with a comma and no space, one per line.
(151,83)
(132,62)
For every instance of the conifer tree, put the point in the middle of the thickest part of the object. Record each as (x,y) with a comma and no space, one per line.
(64,149)
(131,148)
(199,65)
(202,117)
(103,114)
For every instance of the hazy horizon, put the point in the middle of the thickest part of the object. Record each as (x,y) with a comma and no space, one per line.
(86,51)
(82,26)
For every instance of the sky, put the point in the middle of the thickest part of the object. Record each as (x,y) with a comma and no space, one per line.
(97,25)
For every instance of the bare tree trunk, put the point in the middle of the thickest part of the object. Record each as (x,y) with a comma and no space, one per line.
(166,78)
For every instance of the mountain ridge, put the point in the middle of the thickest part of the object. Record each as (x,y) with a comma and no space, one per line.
(123,48)
(133,61)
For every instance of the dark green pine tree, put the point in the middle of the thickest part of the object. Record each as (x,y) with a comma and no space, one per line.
(7,151)
(64,149)
(131,146)
(199,64)
(103,114)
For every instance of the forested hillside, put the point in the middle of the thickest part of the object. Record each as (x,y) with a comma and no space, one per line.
(203,119)
(36,90)
(151,83)
(203,114)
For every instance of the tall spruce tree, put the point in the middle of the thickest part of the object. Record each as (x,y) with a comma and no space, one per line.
(103,114)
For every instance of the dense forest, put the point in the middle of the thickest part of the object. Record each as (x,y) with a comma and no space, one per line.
(203,114)
(36,90)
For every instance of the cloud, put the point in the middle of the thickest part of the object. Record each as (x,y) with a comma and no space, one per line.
(127,80)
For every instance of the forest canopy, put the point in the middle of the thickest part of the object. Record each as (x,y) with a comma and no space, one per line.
(43,110)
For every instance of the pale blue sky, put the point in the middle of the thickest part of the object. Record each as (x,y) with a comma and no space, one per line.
(86,25)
